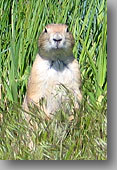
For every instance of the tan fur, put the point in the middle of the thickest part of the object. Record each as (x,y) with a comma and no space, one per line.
(54,65)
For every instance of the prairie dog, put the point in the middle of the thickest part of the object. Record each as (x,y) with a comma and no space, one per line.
(54,65)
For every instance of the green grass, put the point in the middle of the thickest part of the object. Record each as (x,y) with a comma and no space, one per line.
(85,137)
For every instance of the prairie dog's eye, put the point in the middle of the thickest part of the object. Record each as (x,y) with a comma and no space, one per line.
(67,30)
(45,30)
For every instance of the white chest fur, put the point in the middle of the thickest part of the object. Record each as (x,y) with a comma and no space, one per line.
(47,78)
(55,72)
(53,75)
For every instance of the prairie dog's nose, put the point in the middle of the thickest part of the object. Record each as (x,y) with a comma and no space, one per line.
(57,40)
(57,37)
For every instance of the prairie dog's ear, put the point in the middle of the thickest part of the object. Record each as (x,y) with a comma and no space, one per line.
(67,29)
(45,30)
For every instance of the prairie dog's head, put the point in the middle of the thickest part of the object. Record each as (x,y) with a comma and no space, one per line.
(56,42)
